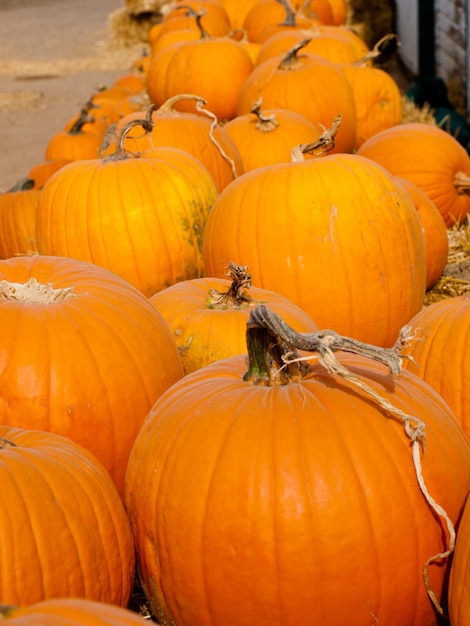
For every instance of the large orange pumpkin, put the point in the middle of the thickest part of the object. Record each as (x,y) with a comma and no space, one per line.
(83,354)
(207,316)
(335,234)
(64,529)
(429,157)
(439,352)
(139,215)
(70,612)
(307,84)
(265,494)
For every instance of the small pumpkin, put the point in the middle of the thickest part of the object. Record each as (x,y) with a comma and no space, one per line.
(268,490)
(70,612)
(268,136)
(65,531)
(73,144)
(83,354)
(207,316)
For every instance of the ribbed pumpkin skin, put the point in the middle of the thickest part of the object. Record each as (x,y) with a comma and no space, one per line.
(73,612)
(291,504)
(440,352)
(336,235)
(428,157)
(18,211)
(142,218)
(312,86)
(459,583)
(87,367)
(204,331)
(64,528)
(258,146)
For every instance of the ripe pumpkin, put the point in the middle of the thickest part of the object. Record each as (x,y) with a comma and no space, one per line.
(333,43)
(197,133)
(266,493)
(84,354)
(292,21)
(307,84)
(70,612)
(459,583)
(267,136)
(139,215)
(64,528)
(41,172)
(439,352)
(73,144)
(429,157)
(207,316)
(18,208)
(436,241)
(213,67)
(336,235)
(265,14)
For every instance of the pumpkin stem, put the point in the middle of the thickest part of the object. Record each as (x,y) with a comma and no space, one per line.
(198,15)
(265,123)
(324,143)
(462,183)
(290,60)
(120,152)
(82,119)
(384,47)
(270,342)
(34,292)
(290,19)
(236,296)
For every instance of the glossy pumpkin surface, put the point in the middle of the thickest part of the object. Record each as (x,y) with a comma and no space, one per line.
(64,528)
(334,234)
(84,354)
(271,502)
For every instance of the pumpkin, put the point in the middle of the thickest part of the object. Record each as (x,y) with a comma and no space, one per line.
(41,172)
(333,43)
(335,234)
(65,531)
(430,158)
(277,493)
(266,137)
(377,99)
(213,67)
(292,21)
(70,612)
(215,18)
(18,208)
(237,10)
(307,84)
(436,241)
(459,583)
(438,352)
(139,215)
(73,144)
(84,354)
(197,133)
(207,316)
(268,13)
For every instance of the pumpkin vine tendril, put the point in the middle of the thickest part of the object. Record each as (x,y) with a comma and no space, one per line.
(272,353)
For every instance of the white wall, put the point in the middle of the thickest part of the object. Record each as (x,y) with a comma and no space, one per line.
(407,27)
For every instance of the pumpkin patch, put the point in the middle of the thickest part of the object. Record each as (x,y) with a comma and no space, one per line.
(227,396)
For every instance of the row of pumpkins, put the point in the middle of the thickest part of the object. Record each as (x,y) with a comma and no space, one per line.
(161,415)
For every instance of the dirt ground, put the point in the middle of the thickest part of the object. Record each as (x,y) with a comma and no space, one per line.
(53,56)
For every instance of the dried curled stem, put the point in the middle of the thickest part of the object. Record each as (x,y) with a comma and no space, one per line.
(235,296)
(323,144)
